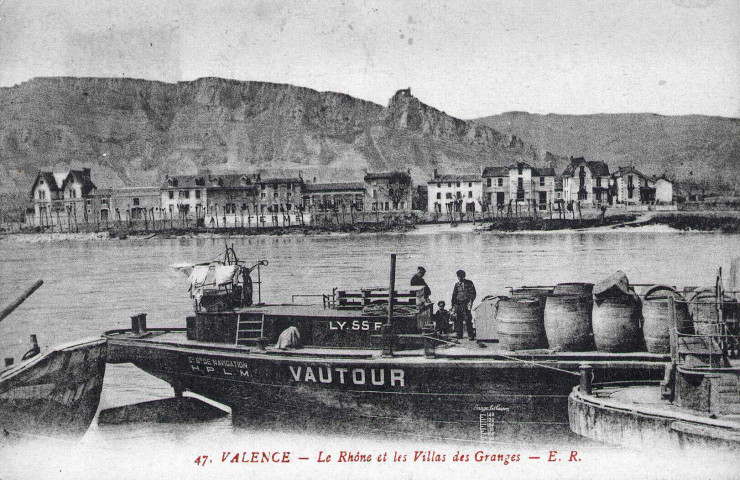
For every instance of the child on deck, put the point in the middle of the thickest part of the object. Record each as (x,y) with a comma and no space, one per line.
(442,319)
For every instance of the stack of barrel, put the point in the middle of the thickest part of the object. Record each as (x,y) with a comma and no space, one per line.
(608,316)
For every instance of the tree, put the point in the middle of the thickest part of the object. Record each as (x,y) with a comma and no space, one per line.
(399,184)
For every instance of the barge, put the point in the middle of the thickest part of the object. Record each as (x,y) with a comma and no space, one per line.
(54,393)
(363,369)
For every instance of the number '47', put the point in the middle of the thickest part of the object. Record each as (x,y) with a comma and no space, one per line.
(201,460)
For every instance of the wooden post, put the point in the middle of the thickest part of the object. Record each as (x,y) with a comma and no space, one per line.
(391,288)
(142,322)
(587,372)
(673,330)
(135,324)
(429,341)
(9,309)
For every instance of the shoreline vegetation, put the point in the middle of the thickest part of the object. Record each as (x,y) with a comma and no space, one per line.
(698,222)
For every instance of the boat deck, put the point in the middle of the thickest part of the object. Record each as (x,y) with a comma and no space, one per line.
(449,349)
(645,399)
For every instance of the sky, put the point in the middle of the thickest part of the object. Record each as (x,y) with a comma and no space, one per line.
(467,58)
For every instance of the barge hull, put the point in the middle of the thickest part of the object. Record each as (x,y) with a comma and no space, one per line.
(55,394)
(445,398)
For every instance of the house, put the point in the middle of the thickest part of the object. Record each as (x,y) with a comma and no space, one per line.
(454,192)
(632,187)
(495,185)
(331,196)
(126,204)
(61,197)
(184,196)
(385,191)
(663,189)
(531,186)
(280,194)
(586,182)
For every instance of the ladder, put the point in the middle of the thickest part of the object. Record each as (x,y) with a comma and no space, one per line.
(248,331)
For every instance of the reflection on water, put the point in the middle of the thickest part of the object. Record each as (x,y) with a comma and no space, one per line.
(94,286)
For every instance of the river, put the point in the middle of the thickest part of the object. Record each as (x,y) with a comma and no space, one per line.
(93,286)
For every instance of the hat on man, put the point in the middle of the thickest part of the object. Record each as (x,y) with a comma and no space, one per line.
(441,304)
(422,269)
(461,273)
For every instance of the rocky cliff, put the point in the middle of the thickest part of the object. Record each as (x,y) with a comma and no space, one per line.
(133,132)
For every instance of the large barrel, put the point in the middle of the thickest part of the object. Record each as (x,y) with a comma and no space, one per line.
(532,292)
(577,288)
(616,324)
(656,314)
(520,324)
(484,315)
(568,322)
(704,311)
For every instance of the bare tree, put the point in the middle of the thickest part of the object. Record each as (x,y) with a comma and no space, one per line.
(399,184)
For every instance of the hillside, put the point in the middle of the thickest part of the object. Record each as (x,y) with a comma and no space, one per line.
(133,132)
(706,149)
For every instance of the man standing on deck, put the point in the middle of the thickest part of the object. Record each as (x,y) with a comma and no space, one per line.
(462,301)
(418,281)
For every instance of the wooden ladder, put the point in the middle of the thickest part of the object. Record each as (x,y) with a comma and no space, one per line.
(248,331)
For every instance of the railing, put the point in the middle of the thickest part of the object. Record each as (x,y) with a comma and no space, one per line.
(714,339)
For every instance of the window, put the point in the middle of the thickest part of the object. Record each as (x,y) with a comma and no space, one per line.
(470,194)
(197,194)
(262,186)
(448,196)
(520,169)
(374,193)
(470,184)
(263,195)
(136,201)
(458,184)
(439,196)
(42,194)
(500,182)
(449,184)
(439,185)
(598,181)
(490,197)
(104,202)
(488,182)
(171,195)
(184,193)
(289,195)
(542,181)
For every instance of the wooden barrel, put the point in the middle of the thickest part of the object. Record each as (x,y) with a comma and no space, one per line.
(568,322)
(538,293)
(520,324)
(656,314)
(484,315)
(616,324)
(704,311)
(573,289)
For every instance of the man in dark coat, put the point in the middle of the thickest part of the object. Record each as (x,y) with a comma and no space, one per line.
(418,281)
(462,301)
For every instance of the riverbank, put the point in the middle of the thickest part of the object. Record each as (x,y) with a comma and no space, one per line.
(554,224)
(650,223)
(696,222)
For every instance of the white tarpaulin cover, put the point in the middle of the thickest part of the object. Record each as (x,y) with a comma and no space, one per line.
(198,276)
(226,274)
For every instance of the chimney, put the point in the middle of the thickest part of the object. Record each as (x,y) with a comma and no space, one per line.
(436,174)
(86,172)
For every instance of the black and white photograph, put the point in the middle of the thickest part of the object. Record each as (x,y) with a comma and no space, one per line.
(413,239)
